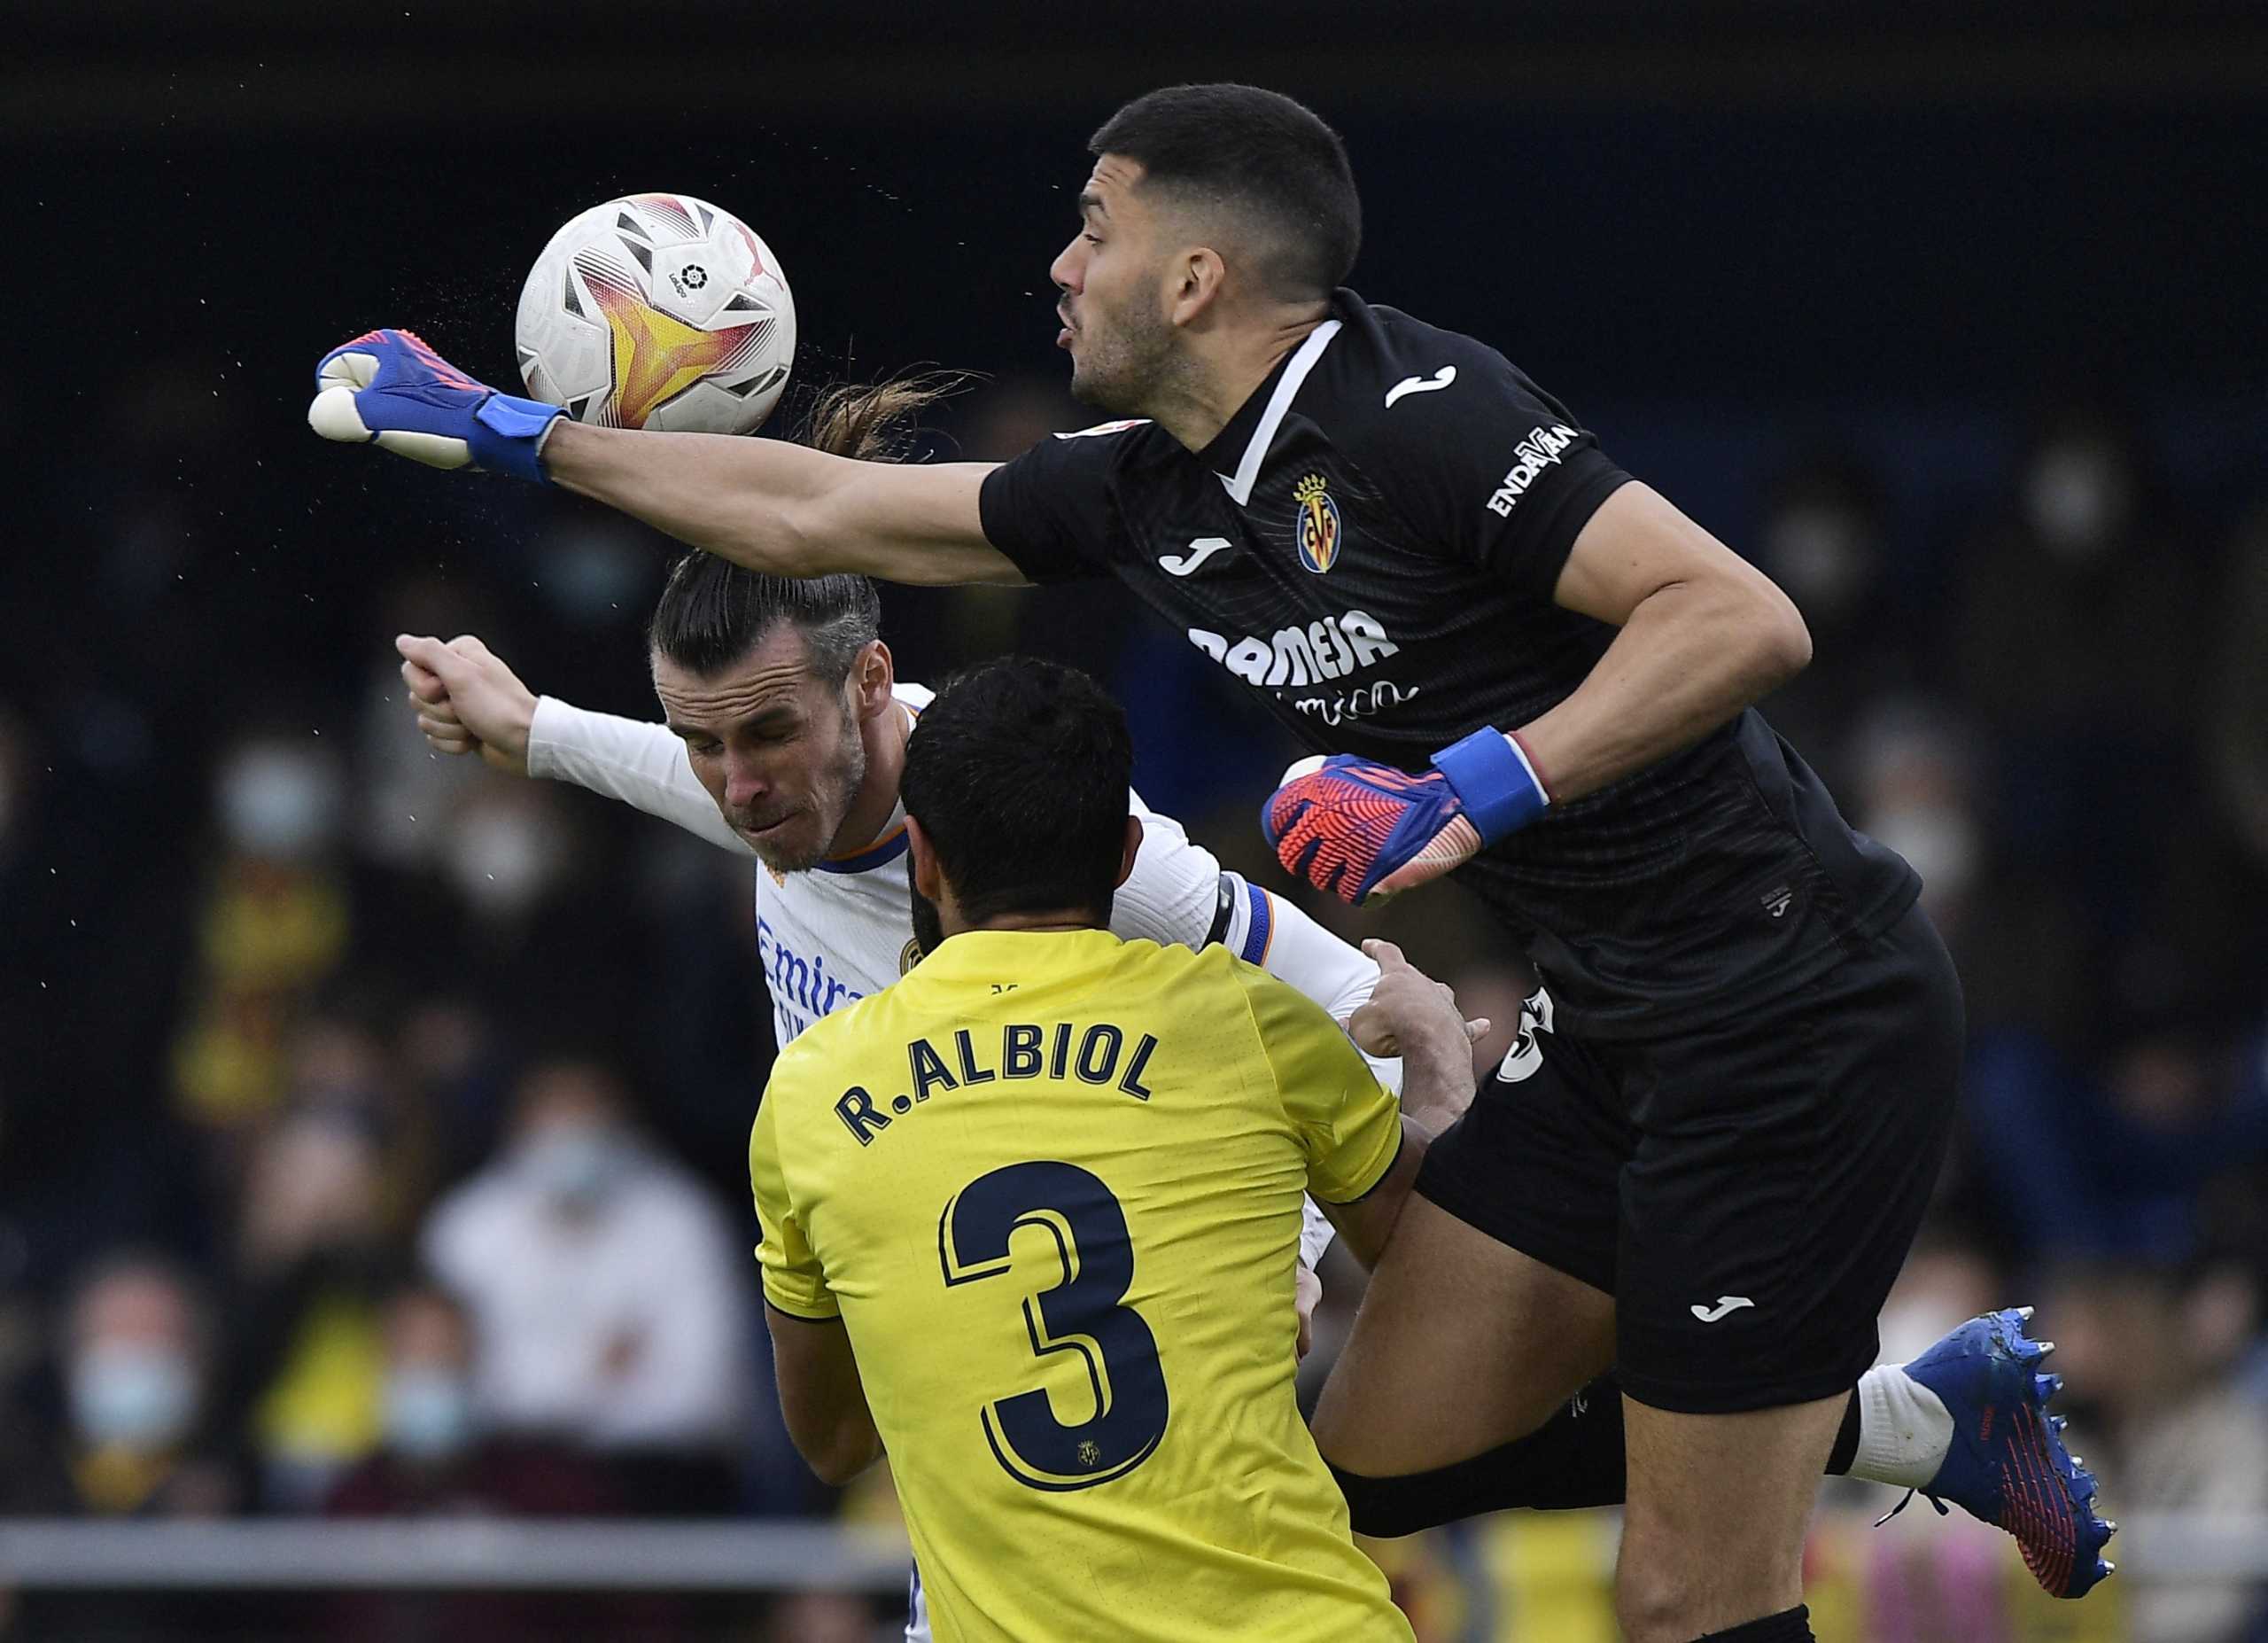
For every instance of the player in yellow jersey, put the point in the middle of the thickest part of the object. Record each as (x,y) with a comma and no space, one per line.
(1031,1216)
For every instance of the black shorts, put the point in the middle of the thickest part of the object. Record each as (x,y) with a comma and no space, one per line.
(1746,1192)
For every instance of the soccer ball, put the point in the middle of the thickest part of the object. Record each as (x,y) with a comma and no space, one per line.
(658,311)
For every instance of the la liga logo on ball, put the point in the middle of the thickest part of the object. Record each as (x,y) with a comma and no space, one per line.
(1318,523)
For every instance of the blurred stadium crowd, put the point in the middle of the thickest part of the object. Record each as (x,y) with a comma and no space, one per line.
(372,1124)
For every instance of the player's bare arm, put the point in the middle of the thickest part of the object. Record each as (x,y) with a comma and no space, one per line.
(821,1398)
(785,509)
(1704,634)
(763,503)
(1365,1225)
(1408,1015)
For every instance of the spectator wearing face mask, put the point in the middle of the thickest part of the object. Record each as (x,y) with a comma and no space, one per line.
(1911,788)
(133,1359)
(2081,637)
(323,1218)
(273,925)
(532,939)
(1823,538)
(136,1361)
(608,1294)
(436,1459)
(435,1453)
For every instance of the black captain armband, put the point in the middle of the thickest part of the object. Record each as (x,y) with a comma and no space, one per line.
(1224,908)
(1244,919)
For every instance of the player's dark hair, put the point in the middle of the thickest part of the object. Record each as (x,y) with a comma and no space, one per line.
(1270,160)
(712,612)
(1018,772)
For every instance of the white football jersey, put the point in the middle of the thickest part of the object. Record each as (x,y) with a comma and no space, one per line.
(830,937)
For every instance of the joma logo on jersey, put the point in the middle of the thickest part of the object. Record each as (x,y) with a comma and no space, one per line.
(1329,647)
(1320,527)
(1531,457)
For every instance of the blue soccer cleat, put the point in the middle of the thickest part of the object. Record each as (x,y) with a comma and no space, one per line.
(2007,1464)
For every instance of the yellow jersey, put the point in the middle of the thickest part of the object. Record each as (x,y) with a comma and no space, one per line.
(1050,1181)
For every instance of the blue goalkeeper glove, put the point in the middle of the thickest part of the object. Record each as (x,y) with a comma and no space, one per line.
(1357,828)
(387,387)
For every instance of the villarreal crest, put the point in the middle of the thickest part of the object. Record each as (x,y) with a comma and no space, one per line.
(1318,523)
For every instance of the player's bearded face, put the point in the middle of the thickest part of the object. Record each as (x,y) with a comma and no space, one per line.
(1123,348)
(807,837)
(778,749)
(1112,281)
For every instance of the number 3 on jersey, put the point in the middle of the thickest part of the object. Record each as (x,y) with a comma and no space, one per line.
(1080,1315)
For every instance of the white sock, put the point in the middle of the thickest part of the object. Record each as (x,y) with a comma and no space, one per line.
(1904,1429)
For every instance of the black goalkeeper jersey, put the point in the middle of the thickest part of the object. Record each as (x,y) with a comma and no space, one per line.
(1372,544)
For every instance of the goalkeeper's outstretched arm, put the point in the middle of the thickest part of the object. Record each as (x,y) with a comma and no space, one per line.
(762,503)
(786,508)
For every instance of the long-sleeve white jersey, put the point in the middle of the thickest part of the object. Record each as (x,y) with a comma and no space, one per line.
(830,937)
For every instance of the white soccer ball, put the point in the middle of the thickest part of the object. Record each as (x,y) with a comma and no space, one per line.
(658,311)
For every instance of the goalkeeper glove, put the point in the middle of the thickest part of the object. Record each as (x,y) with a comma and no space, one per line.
(388,387)
(1354,827)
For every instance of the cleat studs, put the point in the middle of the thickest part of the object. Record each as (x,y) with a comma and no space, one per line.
(2046,1386)
(2109,1526)
(2109,1567)
(2059,1422)
(2047,1347)
(2078,1462)
(2025,1312)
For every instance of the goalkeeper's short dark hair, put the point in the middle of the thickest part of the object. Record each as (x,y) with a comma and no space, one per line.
(1257,153)
(1019,773)
(712,612)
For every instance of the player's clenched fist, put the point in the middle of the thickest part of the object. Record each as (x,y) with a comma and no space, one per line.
(1411,1015)
(467,700)
(1407,1008)
(387,387)
(1357,828)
